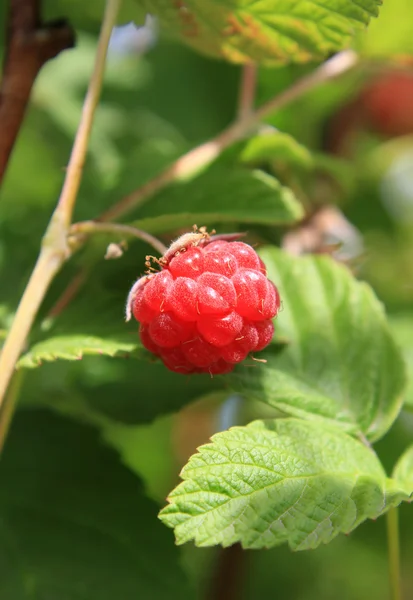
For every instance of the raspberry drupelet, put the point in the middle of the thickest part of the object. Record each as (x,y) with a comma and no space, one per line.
(208,308)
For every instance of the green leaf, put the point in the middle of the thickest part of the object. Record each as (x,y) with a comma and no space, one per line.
(391,34)
(75,347)
(403,471)
(402,328)
(278,481)
(269,32)
(221,196)
(75,523)
(341,362)
(277,146)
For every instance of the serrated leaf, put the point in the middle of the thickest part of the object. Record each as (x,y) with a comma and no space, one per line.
(278,481)
(277,146)
(268,32)
(75,347)
(341,362)
(75,523)
(221,196)
(402,328)
(403,471)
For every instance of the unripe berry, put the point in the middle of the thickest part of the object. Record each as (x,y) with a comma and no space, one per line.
(208,307)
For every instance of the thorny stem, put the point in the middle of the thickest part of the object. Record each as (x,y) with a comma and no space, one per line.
(54,249)
(200,157)
(393,546)
(89,227)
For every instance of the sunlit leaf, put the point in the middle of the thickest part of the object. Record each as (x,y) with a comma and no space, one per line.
(268,32)
(403,471)
(278,481)
(341,362)
(277,146)
(402,329)
(221,196)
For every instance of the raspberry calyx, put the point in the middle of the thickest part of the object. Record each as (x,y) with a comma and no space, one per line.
(209,306)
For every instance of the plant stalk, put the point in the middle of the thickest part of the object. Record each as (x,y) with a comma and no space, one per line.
(247,91)
(91,227)
(47,265)
(55,250)
(9,406)
(393,545)
(74,172)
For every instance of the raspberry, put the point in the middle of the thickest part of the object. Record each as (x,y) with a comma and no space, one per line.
(208,308)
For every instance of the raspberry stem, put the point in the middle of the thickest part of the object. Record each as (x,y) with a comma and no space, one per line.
(55,249)
(90,227)
(74,171)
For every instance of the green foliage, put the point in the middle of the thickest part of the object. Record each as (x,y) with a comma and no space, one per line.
(341,362)
(74,522)
(74,347)
(74,519)
(391,33)
(221,196)
(403,471)
(277,146)
(268,32)
(279,481)
(402,329)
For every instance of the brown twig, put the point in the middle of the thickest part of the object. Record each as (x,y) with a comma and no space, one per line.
(247,89)
(30,43)
(69,293)
(227,581)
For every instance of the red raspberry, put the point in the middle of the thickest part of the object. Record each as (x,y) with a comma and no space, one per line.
(209,306)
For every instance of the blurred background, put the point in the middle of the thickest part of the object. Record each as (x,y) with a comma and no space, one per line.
(159,100)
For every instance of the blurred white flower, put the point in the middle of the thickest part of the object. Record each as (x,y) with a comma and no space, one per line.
(134,39)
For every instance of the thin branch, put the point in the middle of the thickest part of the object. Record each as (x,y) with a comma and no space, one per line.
(393,549)
(228,578)
(55,250)
(204,154)
(69,293)
(247,91)
(88,227)
(29,45)
(77,159)
(10,405)
(48,264)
